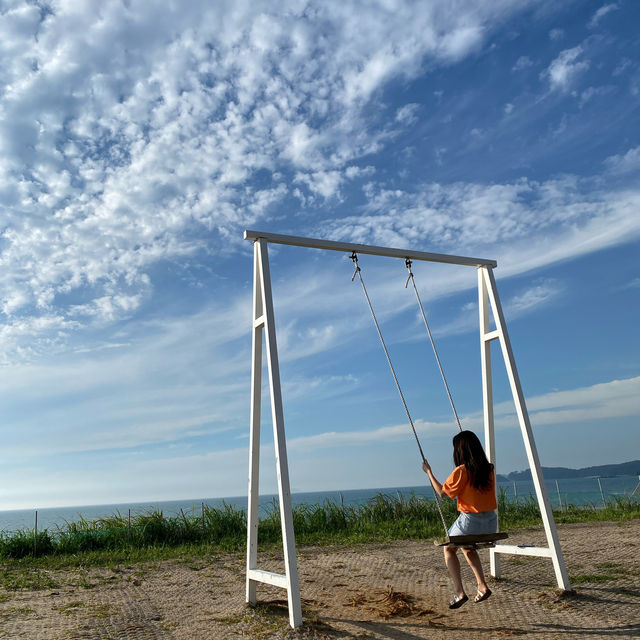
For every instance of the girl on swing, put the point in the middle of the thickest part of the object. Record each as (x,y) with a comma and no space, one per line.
(473,484)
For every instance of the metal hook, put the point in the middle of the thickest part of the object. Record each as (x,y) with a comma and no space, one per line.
(354,257)
(408,263)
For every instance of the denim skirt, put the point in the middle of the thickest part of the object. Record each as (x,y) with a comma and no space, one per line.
(468,524)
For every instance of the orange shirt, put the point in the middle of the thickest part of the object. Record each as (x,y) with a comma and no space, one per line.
(470,499)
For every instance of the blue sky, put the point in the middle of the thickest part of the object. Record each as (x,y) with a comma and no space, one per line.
(138,142)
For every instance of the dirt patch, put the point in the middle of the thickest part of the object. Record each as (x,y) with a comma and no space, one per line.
(388,603)
(396,591)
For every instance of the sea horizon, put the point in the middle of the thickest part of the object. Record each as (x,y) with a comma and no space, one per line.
(577,491)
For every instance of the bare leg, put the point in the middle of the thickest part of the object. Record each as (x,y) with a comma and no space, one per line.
(473,559)
(453,565)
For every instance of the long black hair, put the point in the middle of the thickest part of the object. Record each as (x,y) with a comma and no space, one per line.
(467,450)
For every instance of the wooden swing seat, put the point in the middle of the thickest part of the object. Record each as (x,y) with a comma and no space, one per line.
(477,541)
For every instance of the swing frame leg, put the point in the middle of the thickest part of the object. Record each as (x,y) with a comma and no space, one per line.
(488,300)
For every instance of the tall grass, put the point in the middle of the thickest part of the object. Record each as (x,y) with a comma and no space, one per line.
(225,527)
(384,517)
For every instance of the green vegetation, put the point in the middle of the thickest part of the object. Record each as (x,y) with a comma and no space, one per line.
(95,610)
(607,572)
(19,575)
(153,536)
(525,513)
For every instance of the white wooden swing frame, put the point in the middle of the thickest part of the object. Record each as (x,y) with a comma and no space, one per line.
(264,325)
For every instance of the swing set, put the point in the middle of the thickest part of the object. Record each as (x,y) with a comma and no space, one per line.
(264,326)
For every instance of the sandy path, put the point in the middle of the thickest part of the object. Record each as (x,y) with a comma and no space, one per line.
(204,598)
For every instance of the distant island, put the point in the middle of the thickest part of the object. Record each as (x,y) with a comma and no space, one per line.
(556,473)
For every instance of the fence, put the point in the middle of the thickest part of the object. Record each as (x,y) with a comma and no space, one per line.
(590,491)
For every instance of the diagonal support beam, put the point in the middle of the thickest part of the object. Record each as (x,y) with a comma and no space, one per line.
(487,286)
(264,323)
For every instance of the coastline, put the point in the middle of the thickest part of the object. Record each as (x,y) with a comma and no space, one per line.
(577,491)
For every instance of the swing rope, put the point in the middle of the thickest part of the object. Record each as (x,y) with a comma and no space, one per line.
(477,539)
(358,272)
(433,344)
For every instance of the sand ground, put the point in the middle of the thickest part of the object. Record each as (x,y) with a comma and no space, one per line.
(398,590)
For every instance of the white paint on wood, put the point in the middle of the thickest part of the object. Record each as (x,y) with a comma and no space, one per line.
(276,579)
(263,312)
(523,550)
(350,247)
(527,433)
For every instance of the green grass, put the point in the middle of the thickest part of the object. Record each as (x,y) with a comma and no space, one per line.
(593,578)
(18,575)
(115,541)
(13,611)
(607,572)
(71,607)
(95,610)
(618,509)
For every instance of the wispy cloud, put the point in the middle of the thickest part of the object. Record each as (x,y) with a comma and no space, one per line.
(601,13)
(534,298)
(614,399)
(607,400)
(565,68)
(169,477)
(407,115)
(633,284)
(173,475)
(525,224)
(167,380)
(523,62)
(624,164)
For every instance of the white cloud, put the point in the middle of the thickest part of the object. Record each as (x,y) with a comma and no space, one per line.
(633,284)
(601,13)
(556,34)
(223,472)
(565,68)
(533,298)
(327,386)
(132,134)
(530,300)
(332,439)
(607,400)
(622,66)
(459,42)
(158,381)
(324,183)
(592,92)
(354,172)
(624,164)
(107,308)
(524,225)
(407,115)
(130,479)
(523,62)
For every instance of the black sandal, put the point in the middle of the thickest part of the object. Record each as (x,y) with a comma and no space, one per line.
(457,601)
(482,596)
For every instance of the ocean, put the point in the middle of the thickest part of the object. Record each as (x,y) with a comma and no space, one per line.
(578,491)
